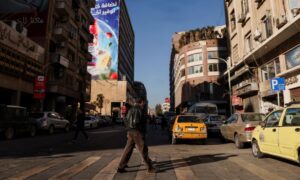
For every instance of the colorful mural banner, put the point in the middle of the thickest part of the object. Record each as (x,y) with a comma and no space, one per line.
(104,48)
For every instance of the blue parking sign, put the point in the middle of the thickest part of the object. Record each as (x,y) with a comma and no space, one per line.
(277,84)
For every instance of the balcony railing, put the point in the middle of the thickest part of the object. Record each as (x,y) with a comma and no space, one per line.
(247,89)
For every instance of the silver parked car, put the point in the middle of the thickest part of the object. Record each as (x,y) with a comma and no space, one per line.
(50,121)
(91,122)
(239,127)
(213,123)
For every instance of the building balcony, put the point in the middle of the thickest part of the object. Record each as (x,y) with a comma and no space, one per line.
(56,58)
(247,89)
(287,31)
(62,7)
(60,33)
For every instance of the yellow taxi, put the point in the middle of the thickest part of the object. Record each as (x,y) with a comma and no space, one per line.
(279,134)
(188,127)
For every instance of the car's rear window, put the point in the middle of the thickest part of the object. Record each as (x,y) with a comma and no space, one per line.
(252,117)
(187,119)
(36,115)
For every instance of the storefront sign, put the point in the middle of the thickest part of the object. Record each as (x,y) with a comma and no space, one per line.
(39,89)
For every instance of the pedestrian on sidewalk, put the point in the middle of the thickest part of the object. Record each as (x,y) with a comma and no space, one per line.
(80,125)
(136,124)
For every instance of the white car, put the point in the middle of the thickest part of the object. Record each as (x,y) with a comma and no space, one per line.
(91,122)
(50,121)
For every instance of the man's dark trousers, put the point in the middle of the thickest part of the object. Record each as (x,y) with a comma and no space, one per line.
(135,137)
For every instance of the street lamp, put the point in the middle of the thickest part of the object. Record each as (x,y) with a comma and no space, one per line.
(229,78)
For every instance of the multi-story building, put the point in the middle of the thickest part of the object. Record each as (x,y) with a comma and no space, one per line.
(116,56)
(21,61)
(264,41)
(195,68)
(62,28)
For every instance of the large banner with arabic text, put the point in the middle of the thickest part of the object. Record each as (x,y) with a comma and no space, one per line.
(104,48)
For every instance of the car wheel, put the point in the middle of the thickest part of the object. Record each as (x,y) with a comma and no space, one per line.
(256,150)
(67,128)
(91,126)
(9,133)
(32,131)
(51,129)
(237,142)
(174,140)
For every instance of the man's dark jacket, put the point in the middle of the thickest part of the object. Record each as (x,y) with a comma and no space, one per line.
(136,112)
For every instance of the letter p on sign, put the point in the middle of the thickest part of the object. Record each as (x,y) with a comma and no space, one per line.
(274,84)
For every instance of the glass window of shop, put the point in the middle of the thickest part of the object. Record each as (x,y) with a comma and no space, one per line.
(195,57)
(270,70)
(213,67)
(293,58)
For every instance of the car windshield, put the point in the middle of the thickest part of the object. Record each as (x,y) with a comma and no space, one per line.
(187,119)
(252,117)
(215,118)
(36,115)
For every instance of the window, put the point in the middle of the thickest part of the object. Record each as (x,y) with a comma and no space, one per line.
(267,26)
(293,58)
(195,69)
(212,54)
(292,117)
(232,119)
(182,73)
(213,67)
(232,21)
(270,70)
(248,43)
(195,57)
(273,119)
(245,7)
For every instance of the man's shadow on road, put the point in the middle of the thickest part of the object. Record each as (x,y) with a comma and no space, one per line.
(189,161)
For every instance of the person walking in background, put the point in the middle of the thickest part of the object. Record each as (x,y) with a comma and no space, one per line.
(80,125)
(136,124)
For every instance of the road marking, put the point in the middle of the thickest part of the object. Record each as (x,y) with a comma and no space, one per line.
(258,171)
(38,169)
(109,171)
(184,171)
(143,174)
(75,169)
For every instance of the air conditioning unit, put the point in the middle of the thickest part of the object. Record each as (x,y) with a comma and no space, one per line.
(257,35)
(295,11)
(24,32)
(281,21)
(13,24)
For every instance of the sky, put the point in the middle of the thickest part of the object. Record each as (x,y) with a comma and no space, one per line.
(154,22)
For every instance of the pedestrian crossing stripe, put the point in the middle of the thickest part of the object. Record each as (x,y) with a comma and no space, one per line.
(38,169)
(109,171)
(77,168)
(183,172)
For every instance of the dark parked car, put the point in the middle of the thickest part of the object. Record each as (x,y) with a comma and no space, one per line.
(15,120)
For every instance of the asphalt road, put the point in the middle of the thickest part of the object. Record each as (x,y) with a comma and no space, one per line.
(56,157)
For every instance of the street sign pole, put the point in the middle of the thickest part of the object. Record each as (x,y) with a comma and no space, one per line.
(278,98)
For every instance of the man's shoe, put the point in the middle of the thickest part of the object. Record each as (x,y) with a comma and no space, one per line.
(121,170)
(152,170)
